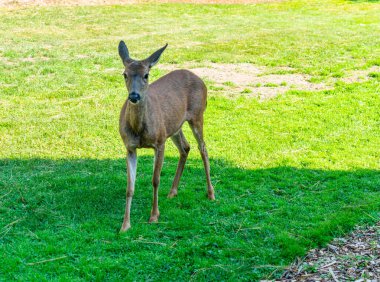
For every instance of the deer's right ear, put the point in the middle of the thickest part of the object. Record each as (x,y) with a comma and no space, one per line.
(153,59)
(123,52)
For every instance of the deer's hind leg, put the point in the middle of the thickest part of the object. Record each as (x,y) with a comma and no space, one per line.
(197,128)
(183,146)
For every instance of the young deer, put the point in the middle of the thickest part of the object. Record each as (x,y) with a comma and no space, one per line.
(152,114)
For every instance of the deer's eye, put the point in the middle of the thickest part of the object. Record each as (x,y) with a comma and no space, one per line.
(125,75)
(146,76)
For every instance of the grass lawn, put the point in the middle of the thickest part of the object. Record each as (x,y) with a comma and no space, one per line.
(289,173)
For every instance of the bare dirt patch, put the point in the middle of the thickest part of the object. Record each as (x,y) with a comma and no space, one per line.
(251,80)
(359,75)
(256,81)
(15,3)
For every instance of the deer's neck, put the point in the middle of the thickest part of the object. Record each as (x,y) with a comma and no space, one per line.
(135,115)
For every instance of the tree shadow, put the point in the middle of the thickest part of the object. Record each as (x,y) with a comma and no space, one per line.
(261,217)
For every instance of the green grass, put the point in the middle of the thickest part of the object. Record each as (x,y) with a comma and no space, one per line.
(289,173)
(246,91)
(271,84)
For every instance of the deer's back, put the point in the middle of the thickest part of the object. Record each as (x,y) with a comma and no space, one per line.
(182,84)
(175,98)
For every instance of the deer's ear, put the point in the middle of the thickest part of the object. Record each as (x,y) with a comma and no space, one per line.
(153,59)
(123,52)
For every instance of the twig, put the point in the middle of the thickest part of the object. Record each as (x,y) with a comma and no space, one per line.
(251,228)
(46,260)
(197,271)
(147,242)
(34,234)
(175,243)
(329,264)
(300,264)
(3,196)
(57,116)
(270,266)
(5,232)
(220,266)
(158,222)
(237,231)
(13,222)
(370,216)
(240,226)
(333,275)
(272,273)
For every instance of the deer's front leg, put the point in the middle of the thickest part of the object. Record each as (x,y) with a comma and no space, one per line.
(131,174)
(158,161)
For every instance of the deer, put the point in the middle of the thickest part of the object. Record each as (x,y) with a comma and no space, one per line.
(155,112)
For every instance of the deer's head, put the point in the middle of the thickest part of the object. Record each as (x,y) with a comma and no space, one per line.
(136,73)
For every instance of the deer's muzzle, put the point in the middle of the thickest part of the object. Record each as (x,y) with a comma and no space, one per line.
(134,97)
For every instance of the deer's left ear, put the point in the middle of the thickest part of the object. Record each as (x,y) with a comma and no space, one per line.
(153,59)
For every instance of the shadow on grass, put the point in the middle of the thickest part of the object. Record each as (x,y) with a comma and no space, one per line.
(262,219)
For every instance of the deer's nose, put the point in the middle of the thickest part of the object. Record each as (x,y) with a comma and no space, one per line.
(134,97)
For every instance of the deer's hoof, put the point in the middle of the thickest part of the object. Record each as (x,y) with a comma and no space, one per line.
(125,228)
(153,218)
(172,194)
(211,196)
